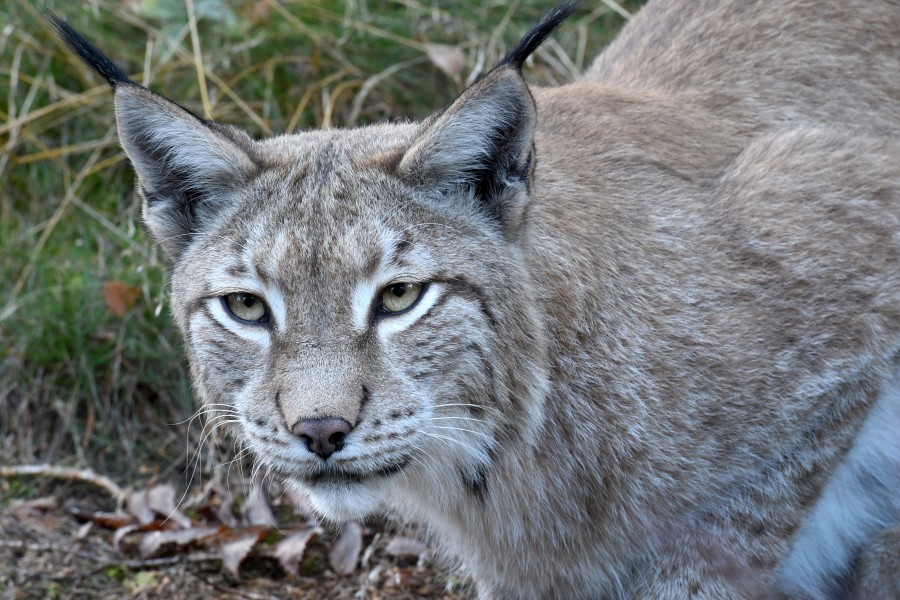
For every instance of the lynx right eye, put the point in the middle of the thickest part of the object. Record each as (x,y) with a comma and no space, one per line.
(400,297)
(246,307)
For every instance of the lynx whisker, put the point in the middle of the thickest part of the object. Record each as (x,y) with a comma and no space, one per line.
(463,418)
(468,405)
(481,433)
(448,439)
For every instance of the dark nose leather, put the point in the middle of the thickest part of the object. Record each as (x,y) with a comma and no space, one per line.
(324,435)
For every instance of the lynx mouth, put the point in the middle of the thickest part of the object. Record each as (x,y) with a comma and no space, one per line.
(333,475)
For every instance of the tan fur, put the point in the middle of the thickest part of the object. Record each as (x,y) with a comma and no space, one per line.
(659,350)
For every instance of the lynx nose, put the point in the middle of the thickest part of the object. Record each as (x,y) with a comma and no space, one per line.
(324,435)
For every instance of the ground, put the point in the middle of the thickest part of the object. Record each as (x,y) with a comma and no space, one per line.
(64,540)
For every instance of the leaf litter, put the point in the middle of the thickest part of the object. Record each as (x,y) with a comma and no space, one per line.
(200,546)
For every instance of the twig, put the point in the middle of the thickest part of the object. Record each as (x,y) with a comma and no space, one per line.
(85,475)
(162,562)
(194,557)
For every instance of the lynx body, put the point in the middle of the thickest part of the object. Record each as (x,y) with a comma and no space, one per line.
(633,337)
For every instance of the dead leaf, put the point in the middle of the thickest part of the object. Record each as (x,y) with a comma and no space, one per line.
(121,532)
(120,297)
(138,504)
(406,547)
(289,551)
(449,59)
(103,519)
(300,502)
(223,507)
(161,500)
(152,542)
(84,530)
(257,509)
(235,551)
(398,578)
(344,553)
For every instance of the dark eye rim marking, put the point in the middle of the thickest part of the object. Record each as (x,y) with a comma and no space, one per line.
(379,312)
(263,321)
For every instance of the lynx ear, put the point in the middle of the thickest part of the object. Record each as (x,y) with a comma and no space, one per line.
(186,167)
(482,146)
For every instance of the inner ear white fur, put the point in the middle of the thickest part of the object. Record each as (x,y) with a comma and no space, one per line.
(157,133)
(490,127)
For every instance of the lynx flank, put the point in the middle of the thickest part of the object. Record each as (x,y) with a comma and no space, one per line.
(633,337)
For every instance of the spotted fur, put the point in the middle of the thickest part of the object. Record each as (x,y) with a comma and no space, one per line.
(657,347)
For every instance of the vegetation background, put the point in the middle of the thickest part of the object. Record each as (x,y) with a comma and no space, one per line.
(91,368)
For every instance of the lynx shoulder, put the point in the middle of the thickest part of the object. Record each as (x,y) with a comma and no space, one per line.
(637,336)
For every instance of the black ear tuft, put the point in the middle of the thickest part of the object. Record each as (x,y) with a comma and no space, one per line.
(537,34)
(86,51)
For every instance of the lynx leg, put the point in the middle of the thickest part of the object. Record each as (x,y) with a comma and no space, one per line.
(878,570)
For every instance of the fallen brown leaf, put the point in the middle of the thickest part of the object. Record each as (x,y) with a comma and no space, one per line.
(152,542)
(289,551)
(121,532)
(257,509)
(84,530)
(138,504)
(161,500)
(222,507)
(449,59)
(103,519)
(120,297)
(344,553)
(236,550)
(406,547)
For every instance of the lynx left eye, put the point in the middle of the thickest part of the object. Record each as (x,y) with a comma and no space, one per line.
(246,307)
(399,297)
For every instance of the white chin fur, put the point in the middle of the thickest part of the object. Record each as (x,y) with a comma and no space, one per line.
(350,502)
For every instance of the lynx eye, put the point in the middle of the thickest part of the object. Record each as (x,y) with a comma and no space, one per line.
(400,296)
(246,307)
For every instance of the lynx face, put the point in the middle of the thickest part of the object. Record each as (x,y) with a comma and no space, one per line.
(353,322)
(355,300)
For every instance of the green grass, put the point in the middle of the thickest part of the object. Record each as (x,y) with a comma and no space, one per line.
(80,385)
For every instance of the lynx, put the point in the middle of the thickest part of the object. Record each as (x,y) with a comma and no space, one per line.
(637,336)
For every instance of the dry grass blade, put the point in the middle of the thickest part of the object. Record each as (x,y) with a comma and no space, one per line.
(367,87)
(618,8)
(65,150)
(198,59)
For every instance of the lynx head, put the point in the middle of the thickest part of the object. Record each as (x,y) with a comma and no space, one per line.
(355,299)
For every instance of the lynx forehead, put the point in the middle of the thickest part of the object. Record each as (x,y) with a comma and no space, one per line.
(637,336)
